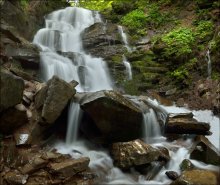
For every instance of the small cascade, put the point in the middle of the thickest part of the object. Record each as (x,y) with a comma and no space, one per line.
(124,38)
(209,64)
(125,61)
(151,126)
(73,122)
(128,68)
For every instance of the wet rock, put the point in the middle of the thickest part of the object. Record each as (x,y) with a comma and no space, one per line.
(103,40)
(115,117)
(133,153)
(69,167)
(164,153)
(13,118)
(172,175)
(40,177)
(33,165)
(15,178)
(186,164)
(11,90)
(197,177)
(52,99)
(203,150)
(185,125)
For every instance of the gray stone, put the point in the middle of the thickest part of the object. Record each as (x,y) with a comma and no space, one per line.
(11,90)
(115,117)
(53,98)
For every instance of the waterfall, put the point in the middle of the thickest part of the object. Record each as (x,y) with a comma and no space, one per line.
(63,55)
(60,38)
(125,61)
(209,64)
(128,68)
(151,126)
(124,38)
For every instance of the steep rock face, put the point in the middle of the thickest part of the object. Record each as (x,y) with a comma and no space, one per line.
(133,153)
(115,117)
(197,177)
(203,150)
(28,18)
(103,40)
(18,55)
(52,99)
(11,90)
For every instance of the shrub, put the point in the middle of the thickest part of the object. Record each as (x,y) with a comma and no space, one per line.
(134,20)
(204,29)
(178,42)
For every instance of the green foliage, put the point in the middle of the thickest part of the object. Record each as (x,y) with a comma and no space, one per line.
(24,3)
(178,42)
(134,20)
(204,29)
(154,16)
(180,75)
(98,5)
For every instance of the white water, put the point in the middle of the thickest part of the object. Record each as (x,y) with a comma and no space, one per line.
(62,33)
(124,38)
(151,127)
(125,61)
(209,64)
(128,68)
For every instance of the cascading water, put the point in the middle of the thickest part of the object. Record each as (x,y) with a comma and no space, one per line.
(209,64)
(124,38)
(62,34)
(128,68)
(151,126)
(125,61)
(61,38)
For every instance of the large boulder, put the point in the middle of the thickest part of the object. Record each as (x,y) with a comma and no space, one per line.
(133,153)
(11,90)
(53,98)
(181,124)
(197,177)
(103,40)
(115,117)
(13,118)
(203,150)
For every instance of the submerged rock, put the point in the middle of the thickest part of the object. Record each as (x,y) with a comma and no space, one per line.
(53,98)
(115,117)
(186,164)
(11,90)
(185,125)
(197,177)
(172,175)
(133,153)
(203,150)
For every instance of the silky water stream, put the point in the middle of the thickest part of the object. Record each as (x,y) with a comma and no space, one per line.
(61,39)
